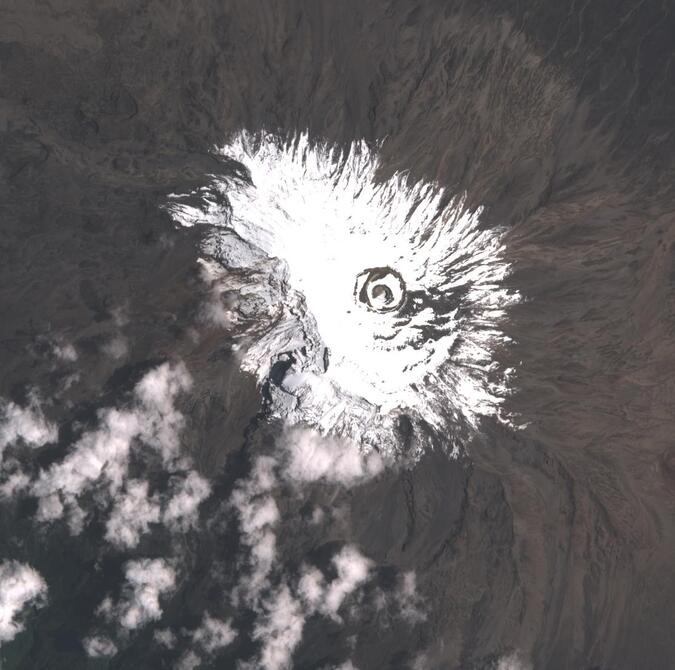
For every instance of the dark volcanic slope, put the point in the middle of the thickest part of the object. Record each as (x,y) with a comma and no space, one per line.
(554,541)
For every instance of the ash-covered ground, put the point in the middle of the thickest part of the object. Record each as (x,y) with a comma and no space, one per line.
(206,464)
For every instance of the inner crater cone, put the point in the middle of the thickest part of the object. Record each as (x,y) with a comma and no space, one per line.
(380,289)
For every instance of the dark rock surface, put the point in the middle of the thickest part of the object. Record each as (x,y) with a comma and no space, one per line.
(556,540)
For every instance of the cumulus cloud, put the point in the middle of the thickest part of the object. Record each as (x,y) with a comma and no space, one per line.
(258,514)
(214,311)
(120,315)
(102,455)
(16,482)
(133,512)
(409,601)
(182,509)
(100,460)
(313,457)
(65,351)
(311,587)
(403,602)
(25,424)
(161,421)
(50,508)
(280,606)
(281,616)
(99,646)
(306,457)
(189,661)
(146,580)
(76,519)
(213,634)
(165,638)
(279,629)
(352,569)
(116,348)
(19,585)
(513,661)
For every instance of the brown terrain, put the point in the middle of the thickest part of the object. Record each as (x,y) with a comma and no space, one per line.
(555,541)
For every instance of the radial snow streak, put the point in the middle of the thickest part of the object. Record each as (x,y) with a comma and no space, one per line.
(394,291)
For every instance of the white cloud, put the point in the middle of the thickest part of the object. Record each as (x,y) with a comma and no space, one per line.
(25,424)
(16,482)
(409,601)
(102,455)
(513,661)
(65,351)
(76,519)
(99,646)
(318,515)
(258,514)
(146,580)
(67,383)
(19,585)
(420,662)
(213,311)
(132,514)
(352,570)
(116,348)
(120,315)
(50,508)
(213,634)
(157,392)
(281,615)
(280,630)
(313,457)
(165,637)
(311,587)
(182,510)
(189,661)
